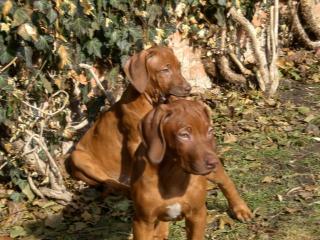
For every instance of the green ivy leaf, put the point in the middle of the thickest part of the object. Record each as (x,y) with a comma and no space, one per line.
(113,75)
(94,47)
(154,11)
(46,83)
(20,16)
(3,116)
(16,197)
(222,3)
(119,4)
(41,6)
(27,53)
(136,33)
(52,16)
(220,16)
(124,46)
(5,57)
(3,82)
(42,43)
(17,231)
(115,36)
(295,75)
(28,32)
(25,188)
(80,26)
(122,205)
(84,94)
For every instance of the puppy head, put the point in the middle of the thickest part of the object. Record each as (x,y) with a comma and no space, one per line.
(182,131)
(157,69)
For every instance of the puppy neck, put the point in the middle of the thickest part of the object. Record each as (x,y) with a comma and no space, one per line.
(154,97)
(173,179)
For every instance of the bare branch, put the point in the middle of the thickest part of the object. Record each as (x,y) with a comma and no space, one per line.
(242,68)
(108,95)
(260,56)
(9,64)
(64,196)
(297,26)
(274,24)
(41,110)
(307,13)
(53,165)
(33,187)
(224,64)
(80,125)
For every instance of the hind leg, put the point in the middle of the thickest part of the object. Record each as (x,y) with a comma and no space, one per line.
(83,168)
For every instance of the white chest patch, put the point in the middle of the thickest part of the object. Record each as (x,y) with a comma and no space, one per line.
(174,210)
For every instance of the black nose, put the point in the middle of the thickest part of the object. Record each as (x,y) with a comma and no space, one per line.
(187,88)
(211,161)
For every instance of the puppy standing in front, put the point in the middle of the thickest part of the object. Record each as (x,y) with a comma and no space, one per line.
(171,168)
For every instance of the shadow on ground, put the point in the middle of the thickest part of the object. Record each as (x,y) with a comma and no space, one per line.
(86,217)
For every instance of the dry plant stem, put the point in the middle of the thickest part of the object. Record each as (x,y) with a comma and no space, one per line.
(41,110)
(80,125)
(274,24)
(9,64)
(40,164)
(53,165)
(259,55)
(224,64)
(3,165)
(108,95)
(242,68)
(53,183)
(33,187)
(309,18)
(64,196)
(297,27)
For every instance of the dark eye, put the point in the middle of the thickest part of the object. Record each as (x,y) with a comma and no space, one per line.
(184,135)
(164,70)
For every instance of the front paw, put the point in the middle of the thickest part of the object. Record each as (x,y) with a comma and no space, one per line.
(242,211)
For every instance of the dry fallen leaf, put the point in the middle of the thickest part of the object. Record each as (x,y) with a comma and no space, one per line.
(229,138)
(268,179)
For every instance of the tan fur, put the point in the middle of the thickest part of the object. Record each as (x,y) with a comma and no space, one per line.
(104,154)
(171,169)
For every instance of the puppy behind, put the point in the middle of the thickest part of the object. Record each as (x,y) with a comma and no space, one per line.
(103,155)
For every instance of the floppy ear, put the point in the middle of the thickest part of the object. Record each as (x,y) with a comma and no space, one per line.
(207,110)
(151,128)
(136,71)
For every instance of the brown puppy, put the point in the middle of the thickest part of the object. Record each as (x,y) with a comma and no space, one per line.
(171,168)
(103,155)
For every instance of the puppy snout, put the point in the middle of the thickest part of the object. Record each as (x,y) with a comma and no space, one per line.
(211,161)
(187,87)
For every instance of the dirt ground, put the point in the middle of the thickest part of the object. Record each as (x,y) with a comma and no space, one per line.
(271,148)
